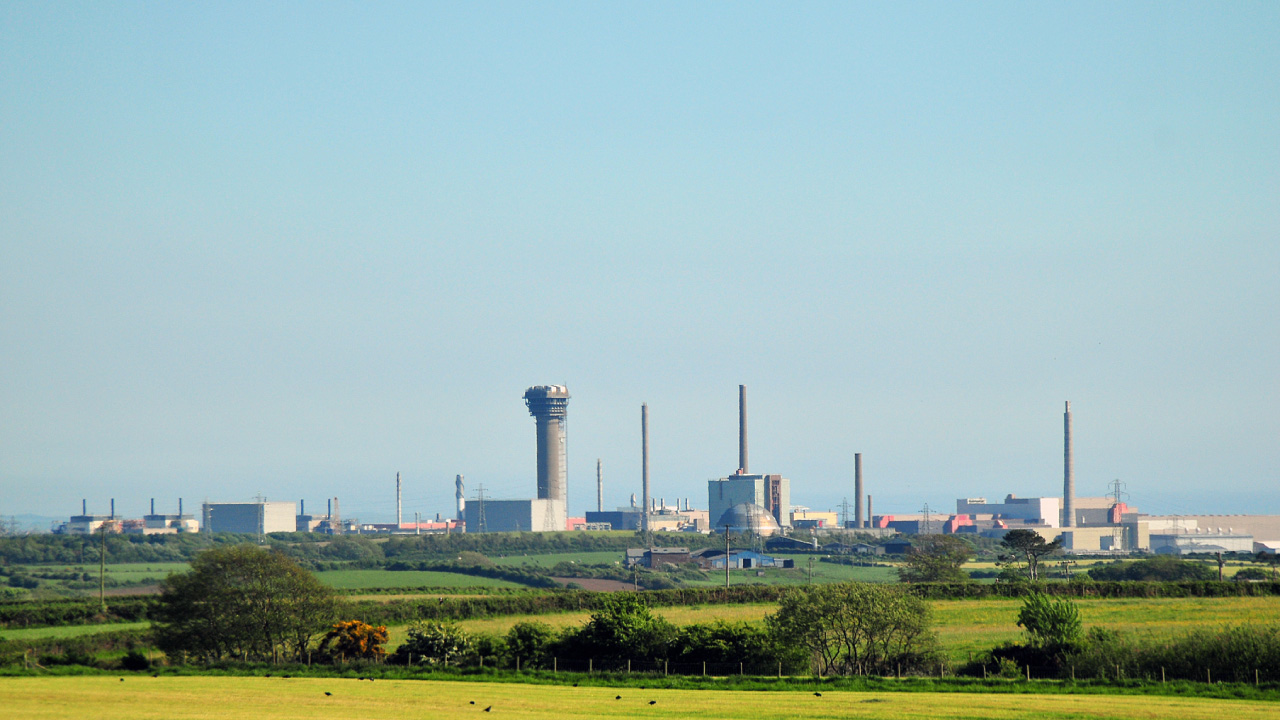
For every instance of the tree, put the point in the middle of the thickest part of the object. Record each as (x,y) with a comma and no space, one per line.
(353,639)
(936,558)
(1024,549)
(531,642)
(1269,558)
(855,627)
(241,601)
(623,628)
(1053,625)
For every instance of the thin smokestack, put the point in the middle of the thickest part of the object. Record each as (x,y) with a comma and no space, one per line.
(869,515)
(113,507)
(1068,472)
(153,506)
(742,428)
(302,507)
(179,506)
(644,467)
(84,506)
(329,512)
(599,486)
(398,515)
(857,490)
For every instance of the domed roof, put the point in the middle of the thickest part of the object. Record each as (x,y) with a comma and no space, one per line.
(748,517)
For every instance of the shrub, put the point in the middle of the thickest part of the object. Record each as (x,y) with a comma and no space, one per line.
(354,639)
(434,643)
(136,661)
(1054,625)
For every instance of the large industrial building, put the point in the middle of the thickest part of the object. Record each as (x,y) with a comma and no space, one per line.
(770,493)
(250,517)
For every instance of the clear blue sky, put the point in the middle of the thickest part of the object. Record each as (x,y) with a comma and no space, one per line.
(296,248)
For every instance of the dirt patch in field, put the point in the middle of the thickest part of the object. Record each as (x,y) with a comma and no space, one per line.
(596,584)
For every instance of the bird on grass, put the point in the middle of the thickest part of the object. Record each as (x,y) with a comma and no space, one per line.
(817,694)
(653,702)
(327,694)
(473,702)
(619,697)
(488,708)
(121,679)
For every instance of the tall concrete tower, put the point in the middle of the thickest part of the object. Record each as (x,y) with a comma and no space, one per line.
(399,522)
(599,486)
(742,429)
(1068,472)
(644,467)
(549,404)
(460,495)
(857,490)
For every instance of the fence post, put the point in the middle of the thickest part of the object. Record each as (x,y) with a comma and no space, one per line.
(1073,673)
(591,665)
(664,668)
(481,662)
(704,668)
(1255,677)
(555,665)
(1161,674)
(899,671)
(1028,673)
(779,668)
(740,672)
(1208,676)
(628,666)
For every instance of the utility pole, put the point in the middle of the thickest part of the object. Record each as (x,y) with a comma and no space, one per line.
(810,569)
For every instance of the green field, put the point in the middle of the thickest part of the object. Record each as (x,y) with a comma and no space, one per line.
(229,698)
(600,557)
(362,579)
(66,631)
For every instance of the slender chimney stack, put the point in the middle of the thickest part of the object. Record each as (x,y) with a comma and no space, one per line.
(868,511)
(742,429)
(179,507)
(857,491)
(398,515)
(329,512)
(84,506)
(460,496)
(302,507)
(644,467)
(113,508)
(599,486)
(153,506)
(1068,472)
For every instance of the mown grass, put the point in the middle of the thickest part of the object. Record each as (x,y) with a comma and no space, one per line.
(599,557)
(277,698)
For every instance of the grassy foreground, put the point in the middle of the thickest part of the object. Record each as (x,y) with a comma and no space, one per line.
(228,698)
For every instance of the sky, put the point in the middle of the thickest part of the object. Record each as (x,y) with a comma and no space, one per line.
(292,249)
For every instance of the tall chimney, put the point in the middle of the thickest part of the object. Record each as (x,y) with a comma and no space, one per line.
(84,506)
(460,496)
(153,506)
(644,467)
(868,511)
(329,512)
(113,507)
(742,428)
(302,506)
(398,515)
(857,491)
(599,486)
(179,507)
(1068,472)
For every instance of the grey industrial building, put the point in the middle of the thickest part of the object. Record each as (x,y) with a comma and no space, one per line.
(250,517)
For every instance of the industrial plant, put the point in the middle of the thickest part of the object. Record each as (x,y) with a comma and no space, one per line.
(758,504)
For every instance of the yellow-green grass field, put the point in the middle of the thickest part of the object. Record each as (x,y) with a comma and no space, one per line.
(230,698)
(966,626)
(66,631)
